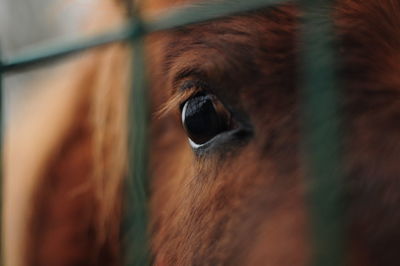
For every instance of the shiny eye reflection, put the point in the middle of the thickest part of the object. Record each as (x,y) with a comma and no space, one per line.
(204,117)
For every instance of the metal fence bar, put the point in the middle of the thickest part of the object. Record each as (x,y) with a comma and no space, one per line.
(172,19)
(48,53)
(321,141)
(135,221)
(201,12)
(1,166)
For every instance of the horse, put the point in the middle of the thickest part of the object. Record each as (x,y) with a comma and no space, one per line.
(227,177)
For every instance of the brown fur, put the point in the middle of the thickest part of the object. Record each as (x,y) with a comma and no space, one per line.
(242,203)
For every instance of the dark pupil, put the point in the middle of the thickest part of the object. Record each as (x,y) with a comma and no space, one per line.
(201,120)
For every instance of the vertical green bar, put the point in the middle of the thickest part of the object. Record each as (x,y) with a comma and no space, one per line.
(135,229)
(1,164)
(321,134)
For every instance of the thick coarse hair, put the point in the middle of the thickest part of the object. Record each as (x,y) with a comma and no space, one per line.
(64,164)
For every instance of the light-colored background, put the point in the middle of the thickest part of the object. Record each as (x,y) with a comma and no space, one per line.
(27,23)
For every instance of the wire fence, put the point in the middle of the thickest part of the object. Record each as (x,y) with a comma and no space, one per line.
(319,104)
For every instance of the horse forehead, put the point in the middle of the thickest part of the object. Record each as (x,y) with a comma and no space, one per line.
(355,20)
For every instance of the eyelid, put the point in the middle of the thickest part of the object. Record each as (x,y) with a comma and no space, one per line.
(186,95)
(186,90)
(191,72)
(191,88)
(194,83)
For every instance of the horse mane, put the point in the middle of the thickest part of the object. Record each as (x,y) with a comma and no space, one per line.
(69,145)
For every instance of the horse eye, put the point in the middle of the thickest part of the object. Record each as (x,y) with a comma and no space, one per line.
(204,117)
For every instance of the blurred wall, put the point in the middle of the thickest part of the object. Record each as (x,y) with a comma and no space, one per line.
(26,23)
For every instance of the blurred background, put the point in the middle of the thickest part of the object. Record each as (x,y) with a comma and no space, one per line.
(27,23)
